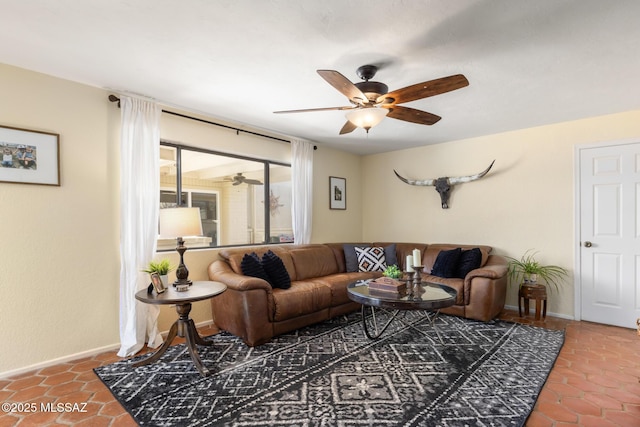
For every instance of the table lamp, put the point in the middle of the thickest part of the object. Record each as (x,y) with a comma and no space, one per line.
(178,223)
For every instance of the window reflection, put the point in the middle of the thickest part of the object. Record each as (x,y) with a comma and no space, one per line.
(230,192)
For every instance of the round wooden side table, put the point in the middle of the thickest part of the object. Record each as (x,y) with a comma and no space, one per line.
(533,292)
(183,327)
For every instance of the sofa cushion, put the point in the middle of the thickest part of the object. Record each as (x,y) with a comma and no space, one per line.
(275,269)
(371,258)
(337,283)
(454,282)
(351,258)
(446,263)
(313,261)
(338,253)
(406,249)
(252,266)
(303,297)
(234,256)
(469,260)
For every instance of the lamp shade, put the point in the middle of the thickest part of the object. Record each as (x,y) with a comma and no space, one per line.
(367,117)
(180,222)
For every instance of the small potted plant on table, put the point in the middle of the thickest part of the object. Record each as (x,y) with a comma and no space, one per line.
(393,272)
(162,267)
(527,271)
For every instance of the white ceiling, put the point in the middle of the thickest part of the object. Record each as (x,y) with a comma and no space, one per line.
(529,63)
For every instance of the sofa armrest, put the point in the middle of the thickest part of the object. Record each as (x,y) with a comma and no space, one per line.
(221,271)
(485,288)
(495,268)
(491,272)
(245,309)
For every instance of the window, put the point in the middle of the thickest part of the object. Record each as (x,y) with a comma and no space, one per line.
(231,192)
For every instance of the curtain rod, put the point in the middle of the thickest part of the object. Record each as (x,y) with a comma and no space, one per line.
(114,98)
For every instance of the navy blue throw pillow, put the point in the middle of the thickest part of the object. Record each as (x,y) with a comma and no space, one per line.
(469,260)
(390,254)
(251,266)
(446,263)
(278,275)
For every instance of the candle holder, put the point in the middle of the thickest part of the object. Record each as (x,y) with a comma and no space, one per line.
(416,289)
(407,278)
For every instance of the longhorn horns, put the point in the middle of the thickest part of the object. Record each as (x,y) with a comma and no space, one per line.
(452,181)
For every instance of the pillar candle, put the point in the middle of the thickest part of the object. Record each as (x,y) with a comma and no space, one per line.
(417,259)
(408,264)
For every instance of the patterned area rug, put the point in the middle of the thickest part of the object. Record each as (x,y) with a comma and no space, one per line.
(330,374)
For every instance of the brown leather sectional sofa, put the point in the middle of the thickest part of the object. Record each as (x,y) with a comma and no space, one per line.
(252,310)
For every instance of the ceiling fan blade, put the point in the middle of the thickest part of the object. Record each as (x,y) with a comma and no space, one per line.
(344,86)
(411,115)
(252,182)
(348,128)
(424,89)
(307,110)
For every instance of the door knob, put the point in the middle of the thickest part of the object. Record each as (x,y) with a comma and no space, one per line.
(587,244)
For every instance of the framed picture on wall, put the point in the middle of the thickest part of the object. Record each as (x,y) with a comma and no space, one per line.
(29,157)
(337,193)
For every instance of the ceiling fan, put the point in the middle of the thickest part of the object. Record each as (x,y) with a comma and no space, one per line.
(238,179)
(371,101)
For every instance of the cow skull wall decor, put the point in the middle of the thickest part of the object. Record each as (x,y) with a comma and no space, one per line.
(443,185)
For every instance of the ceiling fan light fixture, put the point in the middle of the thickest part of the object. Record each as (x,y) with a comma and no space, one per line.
(371,101)
(367,118)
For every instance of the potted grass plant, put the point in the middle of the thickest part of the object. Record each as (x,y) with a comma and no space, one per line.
(528,271)
(162,267)
(393,272)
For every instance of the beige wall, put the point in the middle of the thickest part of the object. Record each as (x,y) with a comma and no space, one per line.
(59,250)
(59,284)
(336,225)
(525,202)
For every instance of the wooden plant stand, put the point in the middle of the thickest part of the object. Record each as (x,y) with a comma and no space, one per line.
(533,292)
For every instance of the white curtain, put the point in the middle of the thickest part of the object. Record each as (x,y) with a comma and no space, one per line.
(139,210)
(302,177)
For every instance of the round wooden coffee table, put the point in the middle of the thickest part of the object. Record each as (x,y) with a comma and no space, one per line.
(183,327)
(430,298)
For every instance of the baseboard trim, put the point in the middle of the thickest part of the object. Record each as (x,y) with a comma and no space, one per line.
(59,360)
(533,311)
(76,356)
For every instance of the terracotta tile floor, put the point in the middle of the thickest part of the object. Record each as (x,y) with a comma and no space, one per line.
(595,382)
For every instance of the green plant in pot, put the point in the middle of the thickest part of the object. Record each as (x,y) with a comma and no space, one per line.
(527,271)
(162,267)
(393,272)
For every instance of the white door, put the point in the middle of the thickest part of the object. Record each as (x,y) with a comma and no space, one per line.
(610,234)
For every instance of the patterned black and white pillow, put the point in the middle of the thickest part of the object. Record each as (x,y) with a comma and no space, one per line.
(371,258)
(351,259)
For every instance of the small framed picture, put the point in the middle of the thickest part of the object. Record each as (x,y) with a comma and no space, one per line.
(337,193)
(29,156)
(157,283)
